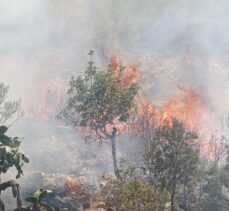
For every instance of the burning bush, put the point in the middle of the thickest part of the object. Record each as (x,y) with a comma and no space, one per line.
(74,189)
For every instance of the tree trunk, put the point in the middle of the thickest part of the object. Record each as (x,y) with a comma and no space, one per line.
(15,191)
(114,156)
(172,201)
(173,193)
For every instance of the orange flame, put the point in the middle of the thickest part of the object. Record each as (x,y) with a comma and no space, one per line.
(70,185)
(73,188)
(189,108)
(130,75)
(47,103)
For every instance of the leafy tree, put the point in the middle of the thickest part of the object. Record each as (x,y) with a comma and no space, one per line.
(225,170)
(97,100)
(10,156)
(131,192)
(9,110)
(212,185)
(173,158)
(213,197)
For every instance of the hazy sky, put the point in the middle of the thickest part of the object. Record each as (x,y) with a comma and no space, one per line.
(173,41)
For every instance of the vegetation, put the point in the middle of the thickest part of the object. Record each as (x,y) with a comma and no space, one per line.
(9,110)
(174,171)
(212,186)
(130,192)
(97,99)
(38,203)
(37,200)
(213,198)
(174,175)
(173,158)
(10,156)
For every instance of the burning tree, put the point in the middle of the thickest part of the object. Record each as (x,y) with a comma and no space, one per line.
(100,101)
(10,156)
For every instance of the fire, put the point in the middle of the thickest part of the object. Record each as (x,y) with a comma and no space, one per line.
(70,185)
(172,110)
(189,108)
(73,188)
(48,102)
(130,75)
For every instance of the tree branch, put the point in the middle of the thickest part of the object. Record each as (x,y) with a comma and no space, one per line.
(15,190)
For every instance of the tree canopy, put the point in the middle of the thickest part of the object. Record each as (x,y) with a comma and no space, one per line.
(173,157)
(97,99)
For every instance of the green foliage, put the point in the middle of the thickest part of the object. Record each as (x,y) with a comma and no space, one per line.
(225,170)
(9,153)
(9,110)
(37,201)
(214,199)
(173,157)
(97,98)
(224,176)
(130,192)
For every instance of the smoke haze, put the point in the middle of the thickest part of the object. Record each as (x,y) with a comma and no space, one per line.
(175,43)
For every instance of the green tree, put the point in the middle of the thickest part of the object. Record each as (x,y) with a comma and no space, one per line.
(131,192)
(97,99)
(10,156)
(225,169)
(173,158)
(213,197)
(9,110)
(212,184)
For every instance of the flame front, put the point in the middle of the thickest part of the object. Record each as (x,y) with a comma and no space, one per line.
(189,108)
(130,75)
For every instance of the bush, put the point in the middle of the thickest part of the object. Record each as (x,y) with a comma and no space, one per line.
(131,192)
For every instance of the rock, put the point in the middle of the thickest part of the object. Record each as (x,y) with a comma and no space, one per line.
(65,202)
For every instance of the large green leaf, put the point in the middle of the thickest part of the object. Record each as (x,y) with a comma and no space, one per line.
(3,129)
(24,158)
(31,199)
(44,194)
(5,140)
(40,194)
(15,142)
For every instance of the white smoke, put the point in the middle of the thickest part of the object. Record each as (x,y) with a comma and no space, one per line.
(173,41)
